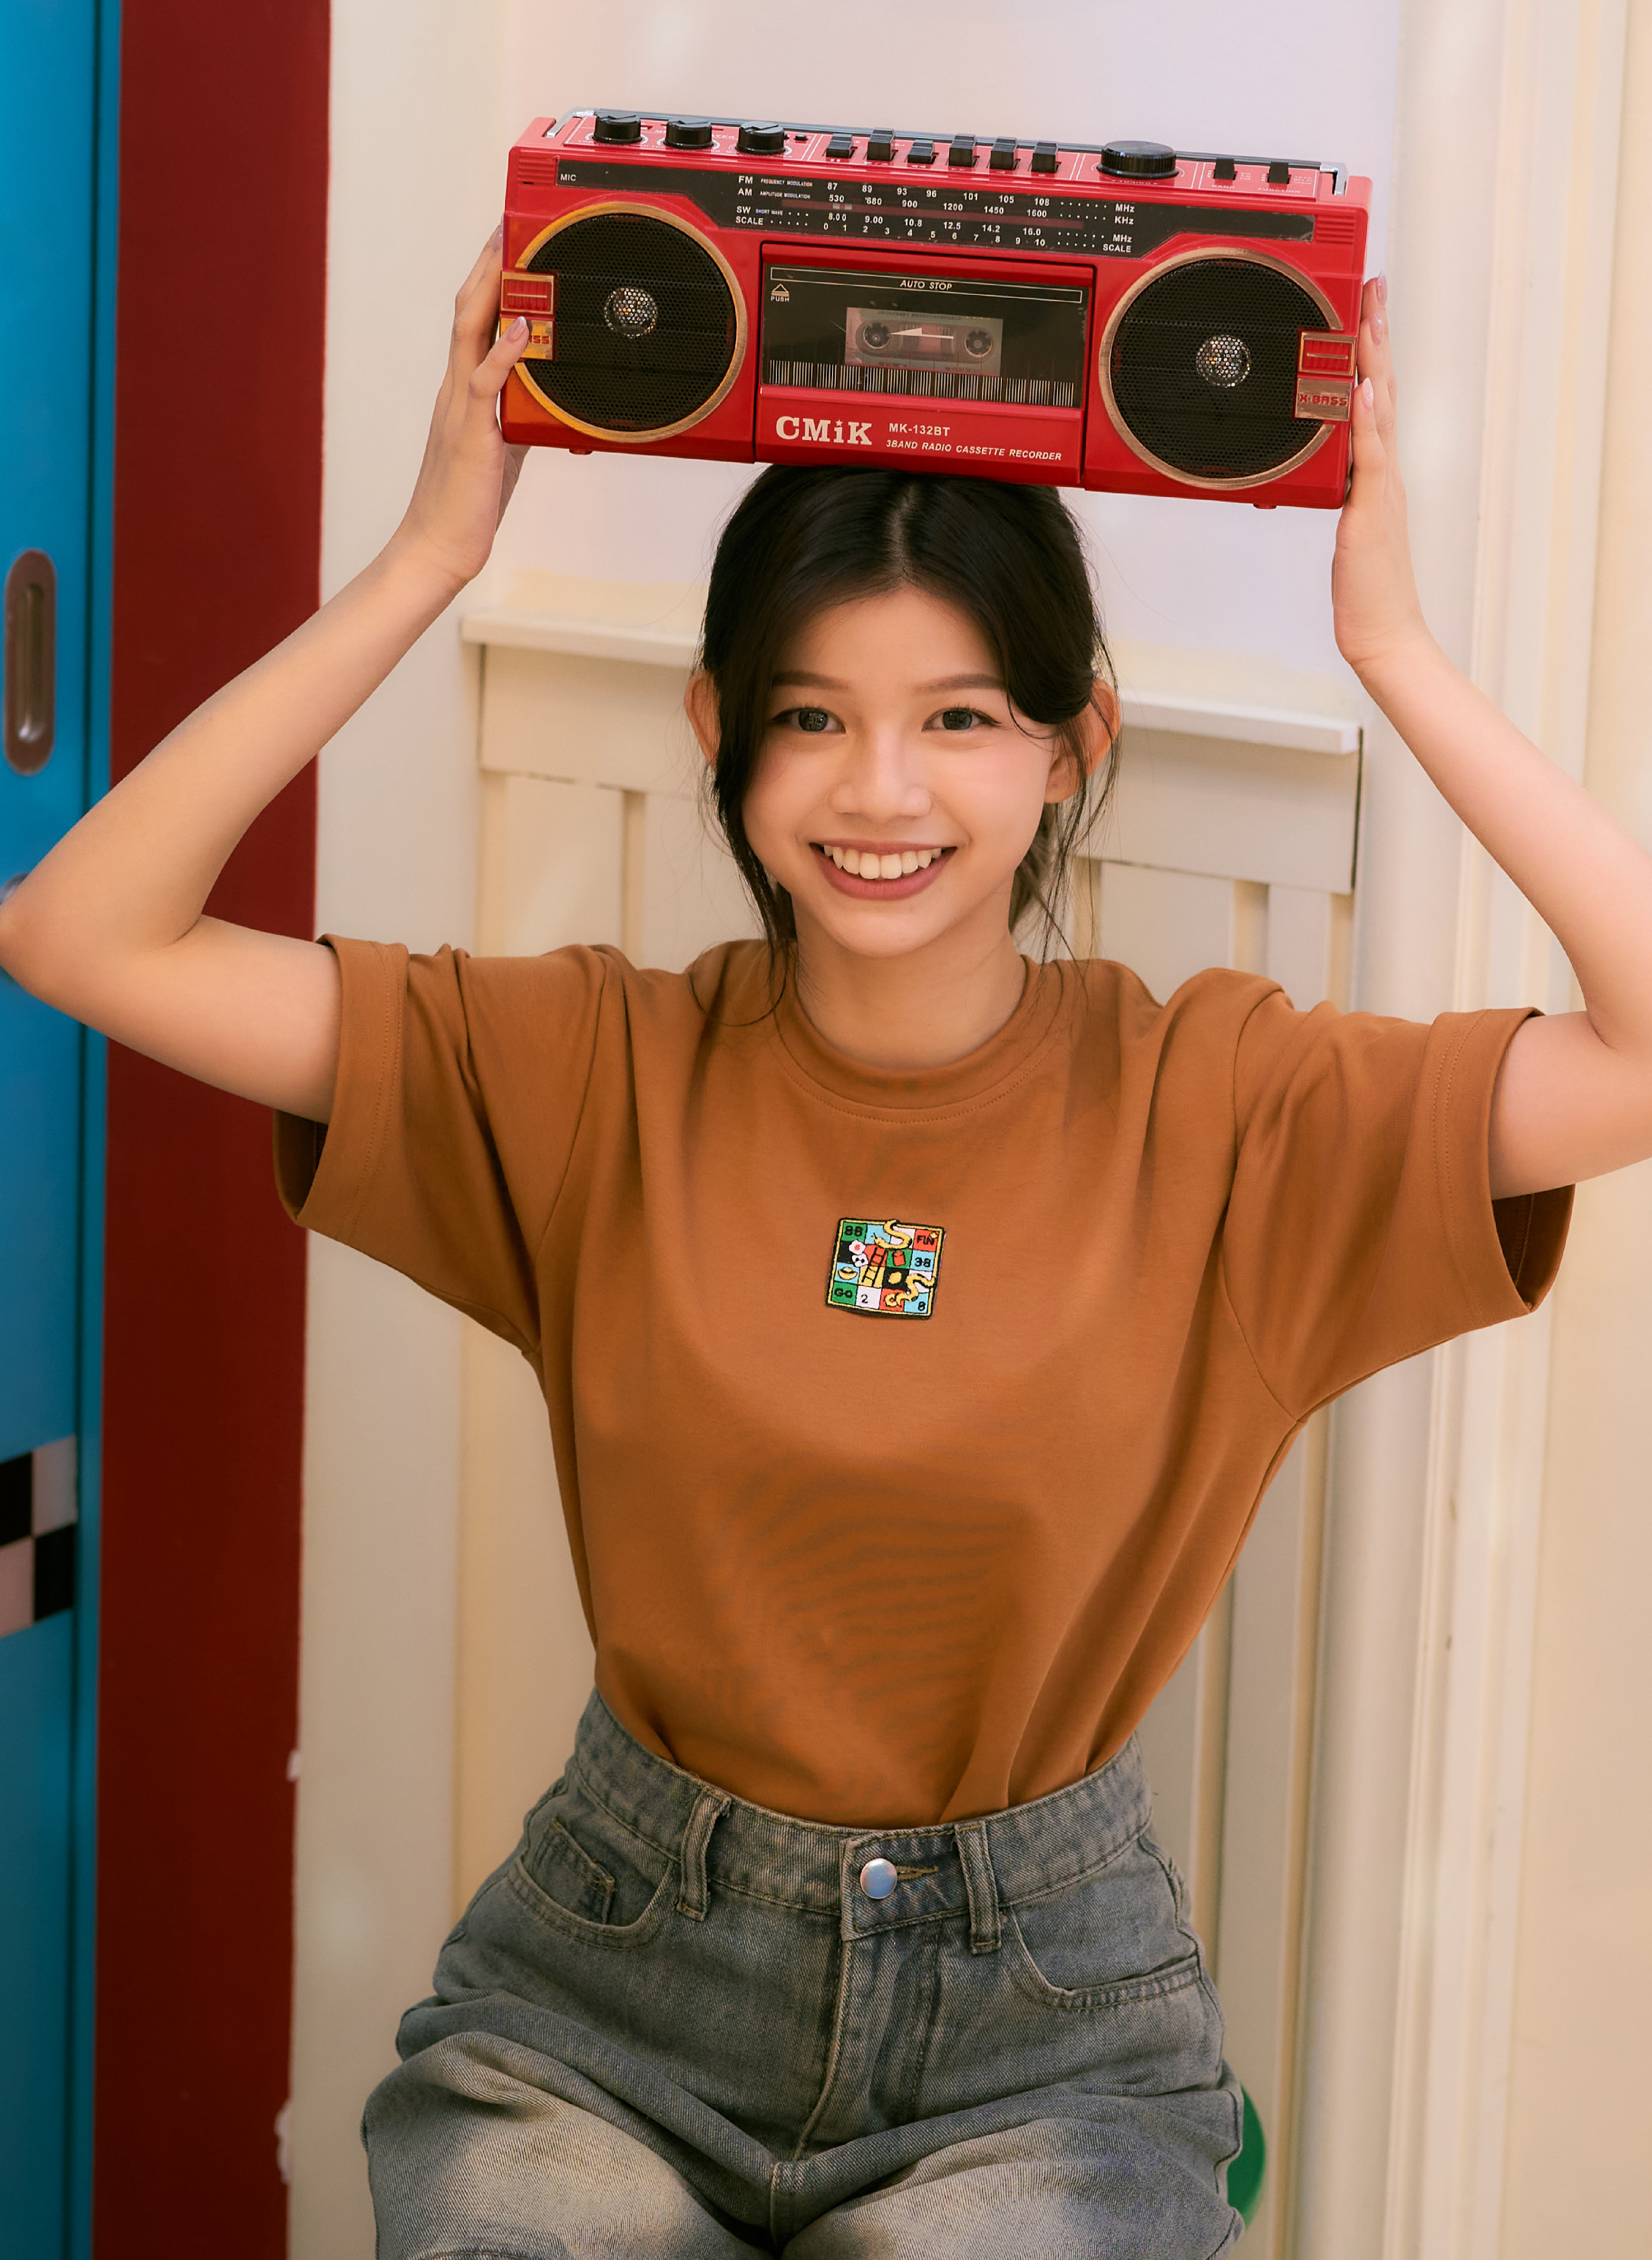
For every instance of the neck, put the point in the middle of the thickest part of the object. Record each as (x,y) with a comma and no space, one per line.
(924,1008)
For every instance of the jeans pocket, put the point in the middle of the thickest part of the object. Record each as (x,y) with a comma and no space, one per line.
(587,1874)
(569,1876)
(1113,1935)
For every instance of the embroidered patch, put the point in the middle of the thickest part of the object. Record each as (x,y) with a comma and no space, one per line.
(885,1266)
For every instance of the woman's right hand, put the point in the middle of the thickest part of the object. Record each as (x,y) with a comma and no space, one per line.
(109,925)
(468,473)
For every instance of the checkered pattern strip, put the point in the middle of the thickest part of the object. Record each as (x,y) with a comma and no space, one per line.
(37,1536)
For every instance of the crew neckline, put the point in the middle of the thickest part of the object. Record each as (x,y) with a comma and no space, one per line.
(979,1076)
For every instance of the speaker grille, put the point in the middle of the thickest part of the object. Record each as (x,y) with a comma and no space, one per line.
(612,371)
(1203,367)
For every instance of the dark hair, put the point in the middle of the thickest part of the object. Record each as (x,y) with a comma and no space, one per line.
(1008,557)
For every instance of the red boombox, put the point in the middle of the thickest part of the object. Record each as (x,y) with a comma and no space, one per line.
(1129,317)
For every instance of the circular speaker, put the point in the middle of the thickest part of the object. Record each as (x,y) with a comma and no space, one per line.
(1199,368)
(650,324)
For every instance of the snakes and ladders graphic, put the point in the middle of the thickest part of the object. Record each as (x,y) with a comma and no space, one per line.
(885,1267)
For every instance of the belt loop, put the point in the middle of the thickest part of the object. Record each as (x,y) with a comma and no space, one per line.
(982,1885)
(707,1812)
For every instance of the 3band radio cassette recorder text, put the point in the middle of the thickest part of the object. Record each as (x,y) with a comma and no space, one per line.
(1126,316)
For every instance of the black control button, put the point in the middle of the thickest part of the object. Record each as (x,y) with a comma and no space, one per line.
(1137,161)
(688,132)
(617,126)
(880,145)
(1278,174)
(960,150)
(1226,169)
(1045,157)
(920,152)
(841,144)
(759,140)
(1002,157)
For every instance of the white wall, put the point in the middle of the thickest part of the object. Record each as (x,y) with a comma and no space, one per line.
(1579,2083)
(417,126)
(1204,75)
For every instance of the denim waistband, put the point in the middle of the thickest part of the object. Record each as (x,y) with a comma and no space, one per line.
(942,1869)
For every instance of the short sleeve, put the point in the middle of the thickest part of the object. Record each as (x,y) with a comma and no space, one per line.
(460,1086)
(1361,1228)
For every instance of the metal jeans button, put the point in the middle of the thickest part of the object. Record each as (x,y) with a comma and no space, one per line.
(878,1879)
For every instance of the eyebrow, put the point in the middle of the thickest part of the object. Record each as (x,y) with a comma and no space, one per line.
(799,675)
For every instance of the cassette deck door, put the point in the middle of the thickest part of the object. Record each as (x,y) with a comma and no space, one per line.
(933,364)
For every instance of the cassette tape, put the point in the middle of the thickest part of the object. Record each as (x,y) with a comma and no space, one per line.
(877,339)
(926,335)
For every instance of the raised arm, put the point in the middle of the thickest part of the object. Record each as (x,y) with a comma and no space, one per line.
(1575,1096)
(109,926)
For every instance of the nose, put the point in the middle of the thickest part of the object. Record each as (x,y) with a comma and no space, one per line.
(881,779)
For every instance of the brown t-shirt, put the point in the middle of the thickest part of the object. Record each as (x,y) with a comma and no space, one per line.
(908,1424)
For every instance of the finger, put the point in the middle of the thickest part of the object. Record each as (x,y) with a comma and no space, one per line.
(487,380)
(1369,454)
(1377,368)
(1375,349)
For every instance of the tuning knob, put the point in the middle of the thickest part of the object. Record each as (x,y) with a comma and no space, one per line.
(1137,161)
(688,132)
(762,140)
(617,126)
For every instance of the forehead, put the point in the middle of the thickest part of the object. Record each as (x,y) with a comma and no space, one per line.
(904,637)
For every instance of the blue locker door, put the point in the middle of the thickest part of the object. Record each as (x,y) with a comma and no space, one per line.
(47,91)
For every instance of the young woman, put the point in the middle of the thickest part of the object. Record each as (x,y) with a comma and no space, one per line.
(919,1328)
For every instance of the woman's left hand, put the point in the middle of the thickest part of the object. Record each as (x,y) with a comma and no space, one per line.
(1373,590)
(469,472)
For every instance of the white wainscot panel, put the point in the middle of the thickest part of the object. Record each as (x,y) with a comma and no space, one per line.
(594,721)
(1166,926)
(690,891)
(525,1654)
(1274,814)
(553,857)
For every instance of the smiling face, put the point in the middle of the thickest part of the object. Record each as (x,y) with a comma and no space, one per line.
(896,791)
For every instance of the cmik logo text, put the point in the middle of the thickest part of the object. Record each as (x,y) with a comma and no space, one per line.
(828,433)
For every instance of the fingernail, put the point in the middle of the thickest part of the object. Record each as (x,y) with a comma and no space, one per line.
(1382,290)
(1367,393)
(496,237)
(1379,328)
(517,329)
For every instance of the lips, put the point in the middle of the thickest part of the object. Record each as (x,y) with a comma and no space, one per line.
(915,868)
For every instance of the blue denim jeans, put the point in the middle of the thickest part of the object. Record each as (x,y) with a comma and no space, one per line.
(676,2024)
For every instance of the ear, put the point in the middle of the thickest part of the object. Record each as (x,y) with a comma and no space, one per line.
(699,703)
(1103,718)
(1098,727)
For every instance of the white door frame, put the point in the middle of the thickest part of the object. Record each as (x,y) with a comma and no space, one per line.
(1505,176)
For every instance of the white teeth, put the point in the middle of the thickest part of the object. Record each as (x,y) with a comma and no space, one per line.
(870,865)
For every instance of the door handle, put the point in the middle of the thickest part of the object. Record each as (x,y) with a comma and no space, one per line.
(30,699)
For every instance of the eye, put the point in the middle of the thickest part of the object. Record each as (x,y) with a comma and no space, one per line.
(962,717)
(812,721)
